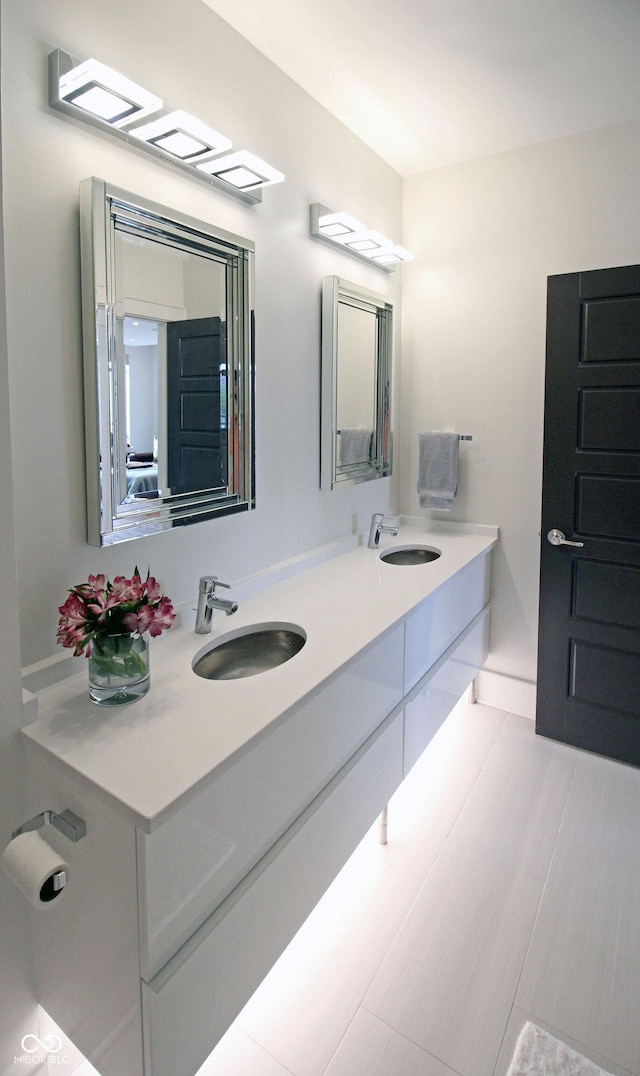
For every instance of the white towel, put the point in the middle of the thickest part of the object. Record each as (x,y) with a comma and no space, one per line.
(437,469)
(537,1052)
(355,445)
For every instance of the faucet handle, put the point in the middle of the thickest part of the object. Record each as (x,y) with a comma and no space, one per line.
(208,583)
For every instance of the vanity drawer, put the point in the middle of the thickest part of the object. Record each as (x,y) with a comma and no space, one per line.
(438,621)
(434,699)
(190,864)
(190,1004)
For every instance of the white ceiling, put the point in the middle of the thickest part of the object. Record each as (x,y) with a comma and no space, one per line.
(426,83)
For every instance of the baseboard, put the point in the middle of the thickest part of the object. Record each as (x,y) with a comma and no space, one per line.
(506,693)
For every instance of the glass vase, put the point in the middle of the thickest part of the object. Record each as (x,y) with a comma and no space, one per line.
(118,669)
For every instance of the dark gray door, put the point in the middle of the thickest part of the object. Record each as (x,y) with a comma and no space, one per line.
(589,629)
(196,405)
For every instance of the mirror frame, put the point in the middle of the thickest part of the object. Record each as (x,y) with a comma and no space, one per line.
(335,291)
(104,210)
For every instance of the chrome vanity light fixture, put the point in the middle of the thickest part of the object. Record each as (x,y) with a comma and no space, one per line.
(344,231)
(98,95)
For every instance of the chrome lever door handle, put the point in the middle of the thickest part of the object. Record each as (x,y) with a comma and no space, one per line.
(557,537)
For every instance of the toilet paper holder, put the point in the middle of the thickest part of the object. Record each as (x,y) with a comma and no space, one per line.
(69,824)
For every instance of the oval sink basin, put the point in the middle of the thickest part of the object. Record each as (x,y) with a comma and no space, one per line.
(410,554)
(249,651)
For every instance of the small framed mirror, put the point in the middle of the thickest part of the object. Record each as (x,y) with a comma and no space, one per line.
(357,356)
(168,366)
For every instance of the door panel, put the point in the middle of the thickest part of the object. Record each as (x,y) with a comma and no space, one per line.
(589,634)
(196,405)
(608,507)
(608,418)
(607,593)
(612,330)
(604,677)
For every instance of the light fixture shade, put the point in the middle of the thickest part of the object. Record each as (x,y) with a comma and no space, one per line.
(105,94)
(183,136)
(368,243)
(339,226)
(242,170)
(393,256)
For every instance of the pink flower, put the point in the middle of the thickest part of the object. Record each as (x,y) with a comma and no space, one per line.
(102,603)
(73,627)
(138,621)
(73,639)
(131,621)
(73,612)
(152,588)
(99,608)
(128,590)
(163,617)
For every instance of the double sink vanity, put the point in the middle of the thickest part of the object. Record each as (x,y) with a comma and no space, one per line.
(218,810)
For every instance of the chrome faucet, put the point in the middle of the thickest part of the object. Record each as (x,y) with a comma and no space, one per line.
(380,524)
(208,600)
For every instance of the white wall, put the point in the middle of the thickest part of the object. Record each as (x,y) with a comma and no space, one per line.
(17,1001)
(486,235)
(191,58)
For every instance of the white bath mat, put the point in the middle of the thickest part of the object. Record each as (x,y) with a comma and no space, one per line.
(537,1053)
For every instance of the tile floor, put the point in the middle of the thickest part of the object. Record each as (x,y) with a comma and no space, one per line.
(509,890)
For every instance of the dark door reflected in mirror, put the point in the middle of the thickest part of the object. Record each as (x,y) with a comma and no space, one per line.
(196,405)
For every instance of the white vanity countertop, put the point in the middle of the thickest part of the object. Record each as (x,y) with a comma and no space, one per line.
(151,755)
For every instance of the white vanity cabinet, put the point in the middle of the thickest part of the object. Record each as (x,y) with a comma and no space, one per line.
(172,917)
(161,937)
(191,863)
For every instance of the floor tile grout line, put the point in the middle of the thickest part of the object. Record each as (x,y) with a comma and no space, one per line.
(536,917)
(420,889)
(445,841)
(436,857)
(373,856)
(273,1057)
(407,1038)
(342,1038)
(448,838)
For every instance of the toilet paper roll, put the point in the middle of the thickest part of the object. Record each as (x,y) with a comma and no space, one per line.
(33,865)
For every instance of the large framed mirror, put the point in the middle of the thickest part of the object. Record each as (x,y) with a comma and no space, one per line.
(168,366)
(357,361)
